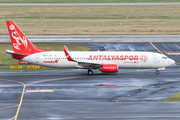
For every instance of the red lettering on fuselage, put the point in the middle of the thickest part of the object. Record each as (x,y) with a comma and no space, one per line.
(55,61)
(90,57)
(131,57)
(117,57)
(104,58)
(100,56)
(121,57)
(113,57)
(95,57)
(109,57)
(126,57)
(136,57)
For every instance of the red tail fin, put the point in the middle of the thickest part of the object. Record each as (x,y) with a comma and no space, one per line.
(20,42)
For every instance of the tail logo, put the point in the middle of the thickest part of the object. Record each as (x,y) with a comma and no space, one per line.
(11,27)
(18,39)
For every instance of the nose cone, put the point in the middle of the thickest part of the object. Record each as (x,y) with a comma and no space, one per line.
(171,62)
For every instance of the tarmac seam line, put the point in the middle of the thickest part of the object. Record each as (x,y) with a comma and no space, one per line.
(56,80)
(9,107)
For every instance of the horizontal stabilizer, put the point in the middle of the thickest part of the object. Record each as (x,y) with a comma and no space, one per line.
(13,53)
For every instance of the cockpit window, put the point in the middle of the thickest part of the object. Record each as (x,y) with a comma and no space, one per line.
(164,57)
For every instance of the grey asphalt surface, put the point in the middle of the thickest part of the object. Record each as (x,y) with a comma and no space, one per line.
(81,4)
(112,111)
(76,95)
(98,38)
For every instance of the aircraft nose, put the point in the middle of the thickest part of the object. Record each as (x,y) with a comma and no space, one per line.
(171,62)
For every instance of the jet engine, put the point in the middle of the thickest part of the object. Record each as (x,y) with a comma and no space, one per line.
(109,68)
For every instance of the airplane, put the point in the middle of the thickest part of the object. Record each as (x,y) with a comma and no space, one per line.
(106,62)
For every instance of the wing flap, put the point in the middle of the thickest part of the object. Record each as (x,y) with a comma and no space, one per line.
(86,64)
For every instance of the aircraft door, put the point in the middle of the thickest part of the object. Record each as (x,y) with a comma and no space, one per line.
(37,59)
(155,59)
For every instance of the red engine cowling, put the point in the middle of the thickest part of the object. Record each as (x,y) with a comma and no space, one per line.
(109,68)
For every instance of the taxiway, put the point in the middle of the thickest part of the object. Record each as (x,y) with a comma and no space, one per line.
(65,94)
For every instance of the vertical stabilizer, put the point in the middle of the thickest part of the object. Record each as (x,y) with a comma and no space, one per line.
(20,42)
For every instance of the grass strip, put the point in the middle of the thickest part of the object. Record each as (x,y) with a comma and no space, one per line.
(175,97)
(55,20)
(87,1)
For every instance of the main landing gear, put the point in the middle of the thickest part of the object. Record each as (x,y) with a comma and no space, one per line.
(157,71)
(90,72)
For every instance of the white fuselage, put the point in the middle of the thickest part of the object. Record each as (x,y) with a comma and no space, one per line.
(125,59)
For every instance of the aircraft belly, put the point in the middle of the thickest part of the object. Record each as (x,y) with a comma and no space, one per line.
(67,64)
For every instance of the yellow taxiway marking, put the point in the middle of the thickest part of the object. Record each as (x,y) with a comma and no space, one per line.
(22,95)
(9,107)
(34,67)
(32,90)
(15,118)
(19,105)
(16,67)
(39,90)
(155,47)
(45,90)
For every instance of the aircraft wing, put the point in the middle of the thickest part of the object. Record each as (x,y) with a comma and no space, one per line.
(87,65)
(82,64)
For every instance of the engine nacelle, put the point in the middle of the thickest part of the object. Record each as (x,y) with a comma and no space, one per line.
(109,68)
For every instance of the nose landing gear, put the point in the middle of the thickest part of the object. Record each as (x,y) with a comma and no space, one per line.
(157,71)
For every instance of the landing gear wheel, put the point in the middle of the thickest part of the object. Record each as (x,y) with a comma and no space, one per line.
(90,72)
(157,71)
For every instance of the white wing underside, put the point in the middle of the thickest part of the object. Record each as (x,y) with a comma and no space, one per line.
(87,64)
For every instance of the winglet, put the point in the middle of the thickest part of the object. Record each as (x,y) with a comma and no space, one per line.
(67,54)
(65,48)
